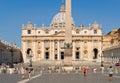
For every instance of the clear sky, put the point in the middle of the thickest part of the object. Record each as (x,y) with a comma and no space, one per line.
(14,13)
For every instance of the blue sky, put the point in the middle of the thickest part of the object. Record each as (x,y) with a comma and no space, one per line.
(14,13)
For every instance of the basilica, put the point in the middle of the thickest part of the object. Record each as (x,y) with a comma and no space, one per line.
(48,43)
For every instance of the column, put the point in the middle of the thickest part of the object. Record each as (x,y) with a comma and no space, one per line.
(34,51)
(51,57)
(24,50)
(81,50)
(73,50)
(42,50)
(89,49)
(58,50)
(53,49)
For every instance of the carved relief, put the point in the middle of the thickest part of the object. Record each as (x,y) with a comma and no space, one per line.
(85,54)
(38,54)
(38,51)
(85,50)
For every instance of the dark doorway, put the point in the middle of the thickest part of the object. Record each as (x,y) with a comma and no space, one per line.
(77,55)
(29,51)
(95,53)
(21,57)
(56,57)
(46,55)
(62,55)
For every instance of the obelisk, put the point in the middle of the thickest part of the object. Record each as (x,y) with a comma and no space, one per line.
(68,34)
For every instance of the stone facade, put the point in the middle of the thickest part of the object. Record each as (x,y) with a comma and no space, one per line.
(47,43)
(111,46)
(112,38)
(6,55)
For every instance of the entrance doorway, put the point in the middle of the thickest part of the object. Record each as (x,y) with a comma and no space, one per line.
(29,51)
(46,55)
(56,57)
(62,55)
(95,53)
(77,55)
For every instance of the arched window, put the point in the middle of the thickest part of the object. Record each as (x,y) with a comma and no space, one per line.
(95,53)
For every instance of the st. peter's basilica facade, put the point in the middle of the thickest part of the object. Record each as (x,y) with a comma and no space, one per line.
(47,43)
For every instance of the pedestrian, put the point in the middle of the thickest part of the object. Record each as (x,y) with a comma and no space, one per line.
(23,72)
(94,70)
(110,70)
(29,74)
(102,69)
(84,71)
(50,70)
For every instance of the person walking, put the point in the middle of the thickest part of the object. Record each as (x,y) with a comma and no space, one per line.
(94,70)
(102,69)
(29,74)
(23,72)
(110,71)
(84,71)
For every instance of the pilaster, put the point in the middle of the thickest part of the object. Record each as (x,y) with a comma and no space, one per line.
(58,50)
(34,50)
(43,50)
(73,50)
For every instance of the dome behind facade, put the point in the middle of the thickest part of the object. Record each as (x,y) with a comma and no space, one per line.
(59,19)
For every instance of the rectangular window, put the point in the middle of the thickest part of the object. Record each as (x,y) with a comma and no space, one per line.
(29,31)
(62,43)
(95,31)
(46,44)
(29,43)
(95,43)
(77,43)
(38,32)
(47,32)
(77,31)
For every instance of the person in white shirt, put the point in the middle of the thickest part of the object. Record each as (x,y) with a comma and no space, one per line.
(110,71)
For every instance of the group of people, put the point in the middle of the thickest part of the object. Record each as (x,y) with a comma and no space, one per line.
(5,68)
(110,71)
(85,69)
(27,71)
